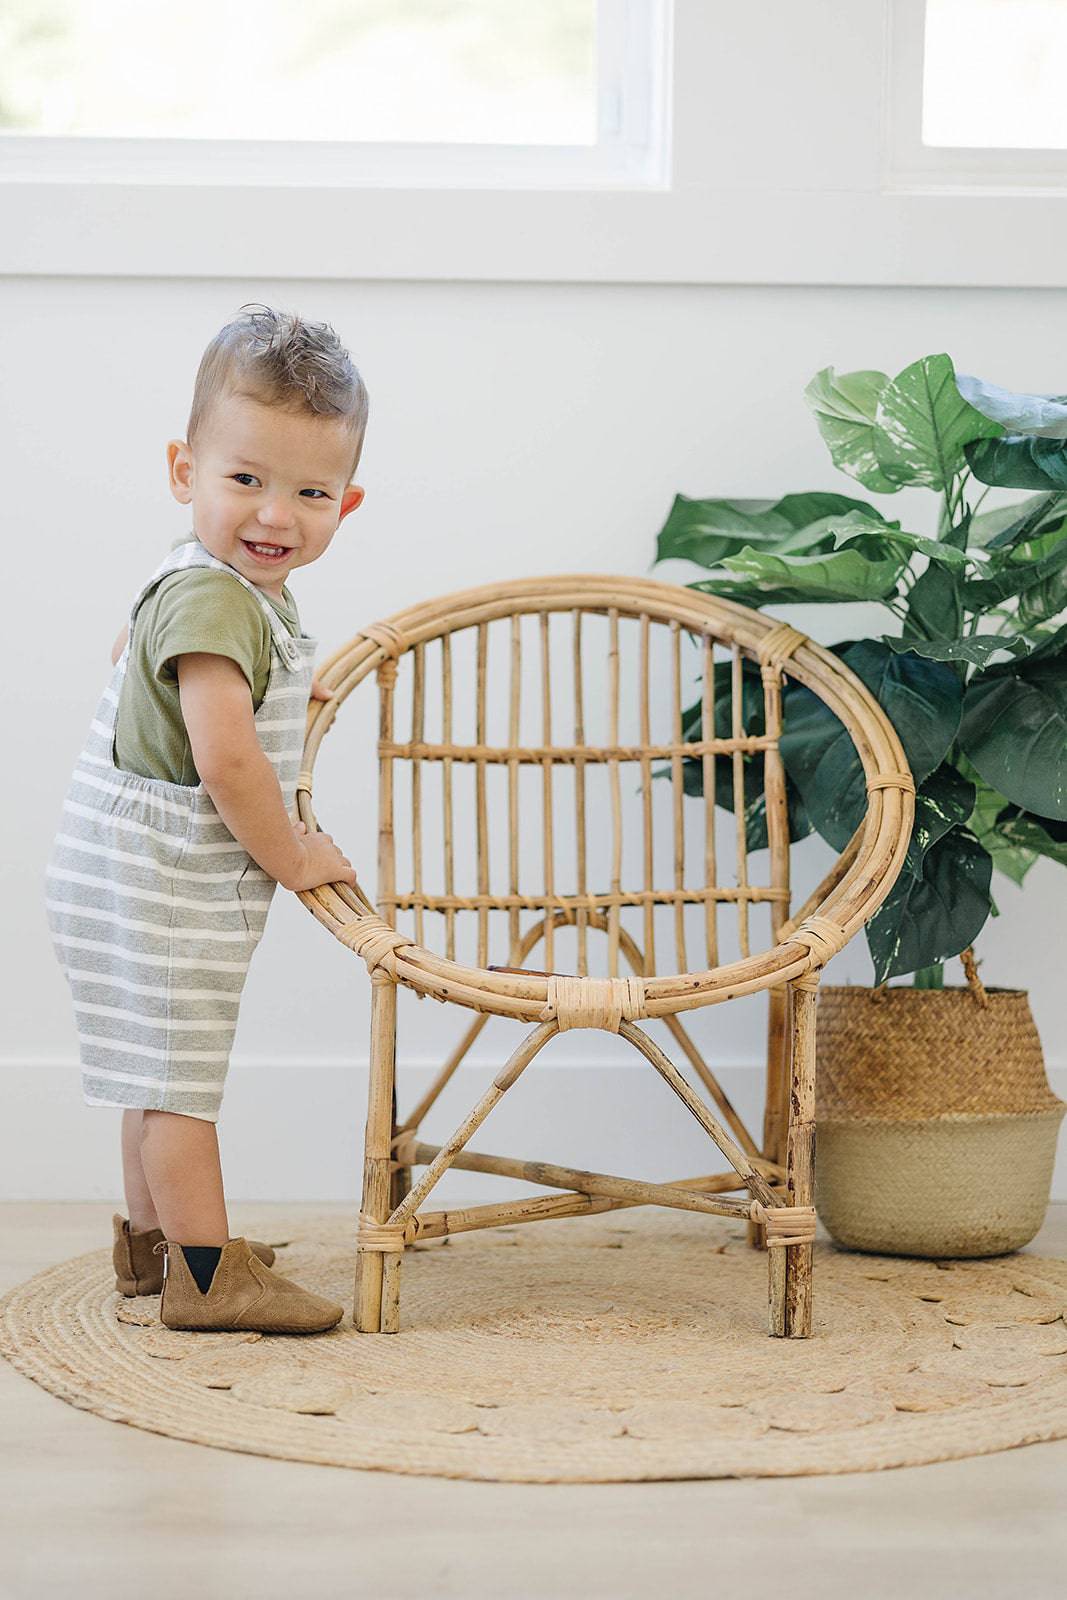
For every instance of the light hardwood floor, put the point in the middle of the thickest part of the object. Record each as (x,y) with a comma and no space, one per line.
(91,1508)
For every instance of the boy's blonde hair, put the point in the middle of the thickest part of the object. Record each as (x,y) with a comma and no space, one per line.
(278,358)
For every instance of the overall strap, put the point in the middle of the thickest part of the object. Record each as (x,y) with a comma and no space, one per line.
(194,554)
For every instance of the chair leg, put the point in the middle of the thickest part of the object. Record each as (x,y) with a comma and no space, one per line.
(776,1096)
(790,1280)
(376,1298)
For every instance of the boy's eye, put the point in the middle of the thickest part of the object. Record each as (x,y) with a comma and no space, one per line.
(239,475)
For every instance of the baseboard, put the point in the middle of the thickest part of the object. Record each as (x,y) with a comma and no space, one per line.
(293,1130)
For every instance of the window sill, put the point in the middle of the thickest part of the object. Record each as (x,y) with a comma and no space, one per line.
(689,234)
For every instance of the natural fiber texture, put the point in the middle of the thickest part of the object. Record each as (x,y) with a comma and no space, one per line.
(937,1125)
(905,1053)
(593,1002)
(555,1355)
(959,1185)
(785,1225)
(592,672)
(641,623)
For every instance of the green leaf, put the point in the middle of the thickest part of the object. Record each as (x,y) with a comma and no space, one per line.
(975,648)
(1044,414)
(848,528)
(1053,642)
(944,800)
(1046,517)
(934,609)
(867,569)
(928,919)
(1040,835)
(1015,577)
(745,592)
(1019,461)
(1014,728)
(1005,524)
(922,700)
(923,424)
(845,407)
(1043,600)
(705,531)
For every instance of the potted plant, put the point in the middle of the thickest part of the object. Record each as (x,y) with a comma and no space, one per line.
(972,672)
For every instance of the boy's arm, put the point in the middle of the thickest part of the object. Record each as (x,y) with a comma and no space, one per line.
(216,704)
(120,644)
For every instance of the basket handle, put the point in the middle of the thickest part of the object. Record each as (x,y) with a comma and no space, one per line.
(974,982)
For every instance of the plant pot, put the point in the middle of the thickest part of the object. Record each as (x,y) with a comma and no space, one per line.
(936,1127)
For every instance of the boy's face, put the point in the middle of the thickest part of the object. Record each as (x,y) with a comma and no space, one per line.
(264,476)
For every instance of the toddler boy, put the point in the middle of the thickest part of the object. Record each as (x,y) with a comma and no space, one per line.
(177,823)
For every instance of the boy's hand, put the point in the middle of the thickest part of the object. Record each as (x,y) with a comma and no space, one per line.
(319,690)
(323,861)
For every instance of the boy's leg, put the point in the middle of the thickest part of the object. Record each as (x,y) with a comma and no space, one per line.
(180,1160)
(139,1206)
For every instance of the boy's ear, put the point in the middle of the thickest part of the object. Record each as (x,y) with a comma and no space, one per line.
(180,467)
(352,497)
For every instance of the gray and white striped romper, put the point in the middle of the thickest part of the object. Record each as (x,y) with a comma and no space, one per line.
(154,907)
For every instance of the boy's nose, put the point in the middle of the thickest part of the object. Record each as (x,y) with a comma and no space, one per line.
(276,518)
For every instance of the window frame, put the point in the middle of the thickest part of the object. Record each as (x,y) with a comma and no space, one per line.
(630,152)
(771,177)
(914,166)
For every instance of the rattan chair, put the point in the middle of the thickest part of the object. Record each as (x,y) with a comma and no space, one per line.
(605,614)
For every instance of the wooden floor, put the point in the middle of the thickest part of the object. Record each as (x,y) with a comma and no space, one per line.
(90,1508)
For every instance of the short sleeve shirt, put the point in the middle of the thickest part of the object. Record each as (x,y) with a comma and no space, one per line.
(196,609)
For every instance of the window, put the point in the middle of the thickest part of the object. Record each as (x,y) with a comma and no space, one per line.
(976,93)
(338,92)
(993,74)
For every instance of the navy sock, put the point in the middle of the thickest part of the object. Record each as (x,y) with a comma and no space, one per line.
(202,1259)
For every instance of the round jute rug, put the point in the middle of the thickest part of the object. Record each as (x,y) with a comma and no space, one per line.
(613,1348)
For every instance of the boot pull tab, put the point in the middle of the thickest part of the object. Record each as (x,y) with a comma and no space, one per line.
(161,1244)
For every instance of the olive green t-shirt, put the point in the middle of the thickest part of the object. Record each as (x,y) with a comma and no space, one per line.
(196,608)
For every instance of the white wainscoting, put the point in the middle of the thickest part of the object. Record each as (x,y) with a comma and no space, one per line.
(609,1117)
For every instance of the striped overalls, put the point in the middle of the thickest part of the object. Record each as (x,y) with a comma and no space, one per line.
(154,907)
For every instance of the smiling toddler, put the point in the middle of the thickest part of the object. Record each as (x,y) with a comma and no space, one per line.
(179,819)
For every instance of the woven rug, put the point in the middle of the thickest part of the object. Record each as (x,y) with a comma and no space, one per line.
(613,1348)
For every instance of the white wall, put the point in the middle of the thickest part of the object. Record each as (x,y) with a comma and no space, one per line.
(515,429)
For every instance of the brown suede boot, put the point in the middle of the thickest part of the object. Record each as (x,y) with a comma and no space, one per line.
(137,1270)
(243,1294)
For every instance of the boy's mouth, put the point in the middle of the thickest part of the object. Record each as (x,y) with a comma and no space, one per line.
(269,554)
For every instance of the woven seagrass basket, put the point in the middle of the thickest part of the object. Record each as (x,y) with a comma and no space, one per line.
(936,1126)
